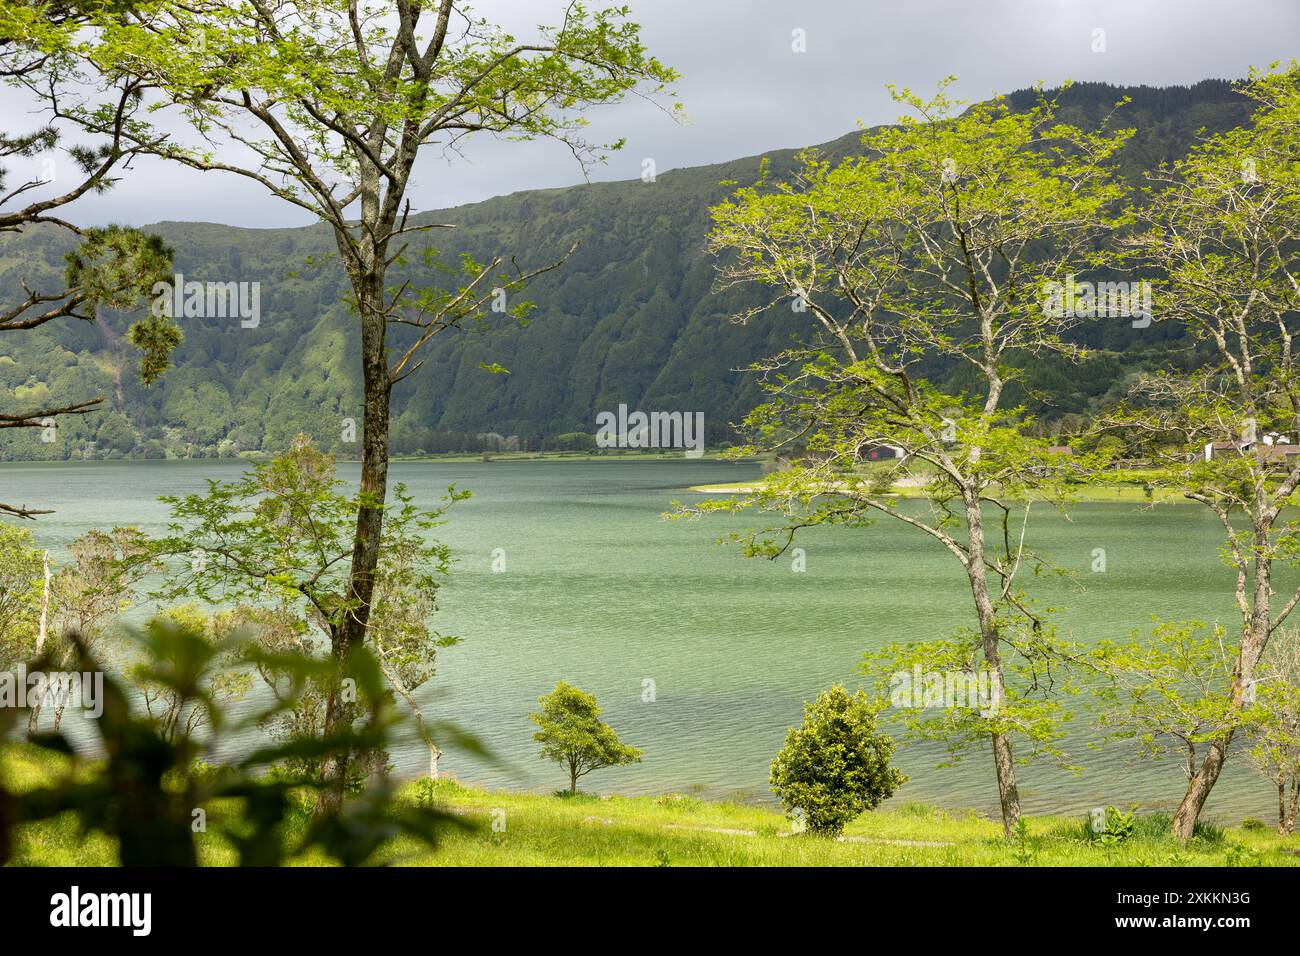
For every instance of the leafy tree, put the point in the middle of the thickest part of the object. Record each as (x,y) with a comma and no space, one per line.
(1221,225)
(276,544)
(572,734)
(87,595)
(20,594)
(334,100)
(116,433)
(112,266)
(835,765)
(1276,731)
(932,250)
(177,715)
(575,441)
(405,646)
(281,635)
(1166,691)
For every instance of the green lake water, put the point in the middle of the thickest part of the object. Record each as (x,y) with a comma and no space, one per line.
(599,590)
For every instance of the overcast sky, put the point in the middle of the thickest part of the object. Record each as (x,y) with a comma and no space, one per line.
(748,91)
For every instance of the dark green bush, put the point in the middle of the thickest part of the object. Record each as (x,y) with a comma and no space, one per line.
(836,764)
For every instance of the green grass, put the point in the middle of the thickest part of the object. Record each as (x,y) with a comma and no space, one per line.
(512,829)
(1119,492)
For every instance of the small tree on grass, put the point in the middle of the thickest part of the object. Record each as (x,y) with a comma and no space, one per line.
(836,765)
(571,733)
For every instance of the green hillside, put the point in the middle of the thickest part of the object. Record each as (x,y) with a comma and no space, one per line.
(630,318)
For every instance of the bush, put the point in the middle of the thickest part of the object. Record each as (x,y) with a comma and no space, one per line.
(1117,827)
(836,764)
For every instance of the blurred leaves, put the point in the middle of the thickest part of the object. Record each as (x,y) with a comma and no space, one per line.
(147,790)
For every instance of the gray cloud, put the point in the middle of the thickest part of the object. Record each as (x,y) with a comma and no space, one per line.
(747,92)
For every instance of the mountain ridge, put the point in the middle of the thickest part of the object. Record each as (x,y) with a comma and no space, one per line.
(632,318)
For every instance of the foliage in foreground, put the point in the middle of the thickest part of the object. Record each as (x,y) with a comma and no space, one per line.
(150,799)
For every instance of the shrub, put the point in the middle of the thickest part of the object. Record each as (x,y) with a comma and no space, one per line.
(836,764)
(1118,827)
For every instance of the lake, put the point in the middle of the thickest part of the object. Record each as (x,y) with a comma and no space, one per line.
(599,590)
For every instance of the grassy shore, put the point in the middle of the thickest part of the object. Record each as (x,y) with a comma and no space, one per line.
(1119,492)
(511,829)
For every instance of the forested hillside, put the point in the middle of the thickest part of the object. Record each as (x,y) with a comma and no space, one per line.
(630,318)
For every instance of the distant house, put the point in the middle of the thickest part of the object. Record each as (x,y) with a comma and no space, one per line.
(1277,448)
(1220,447)
(881,452)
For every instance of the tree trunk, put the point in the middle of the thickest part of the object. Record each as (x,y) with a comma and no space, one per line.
(45,609)
(351,630)
(1254,640)
(1003,761)
(573,778)
(1199,787)
(1281,807)
(34,707)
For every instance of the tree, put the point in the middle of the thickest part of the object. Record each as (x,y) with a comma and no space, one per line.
(1166,691)
(112,266)
(276,544)
(21,585)
(280,638)
(574,441)
(930,253)
(572,734)
(405,646)
(334,100)
(178,716)
(1221,225)
(835,765)
(1276,731)
(88,594)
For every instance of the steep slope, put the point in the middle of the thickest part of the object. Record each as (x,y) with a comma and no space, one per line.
(631,318)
